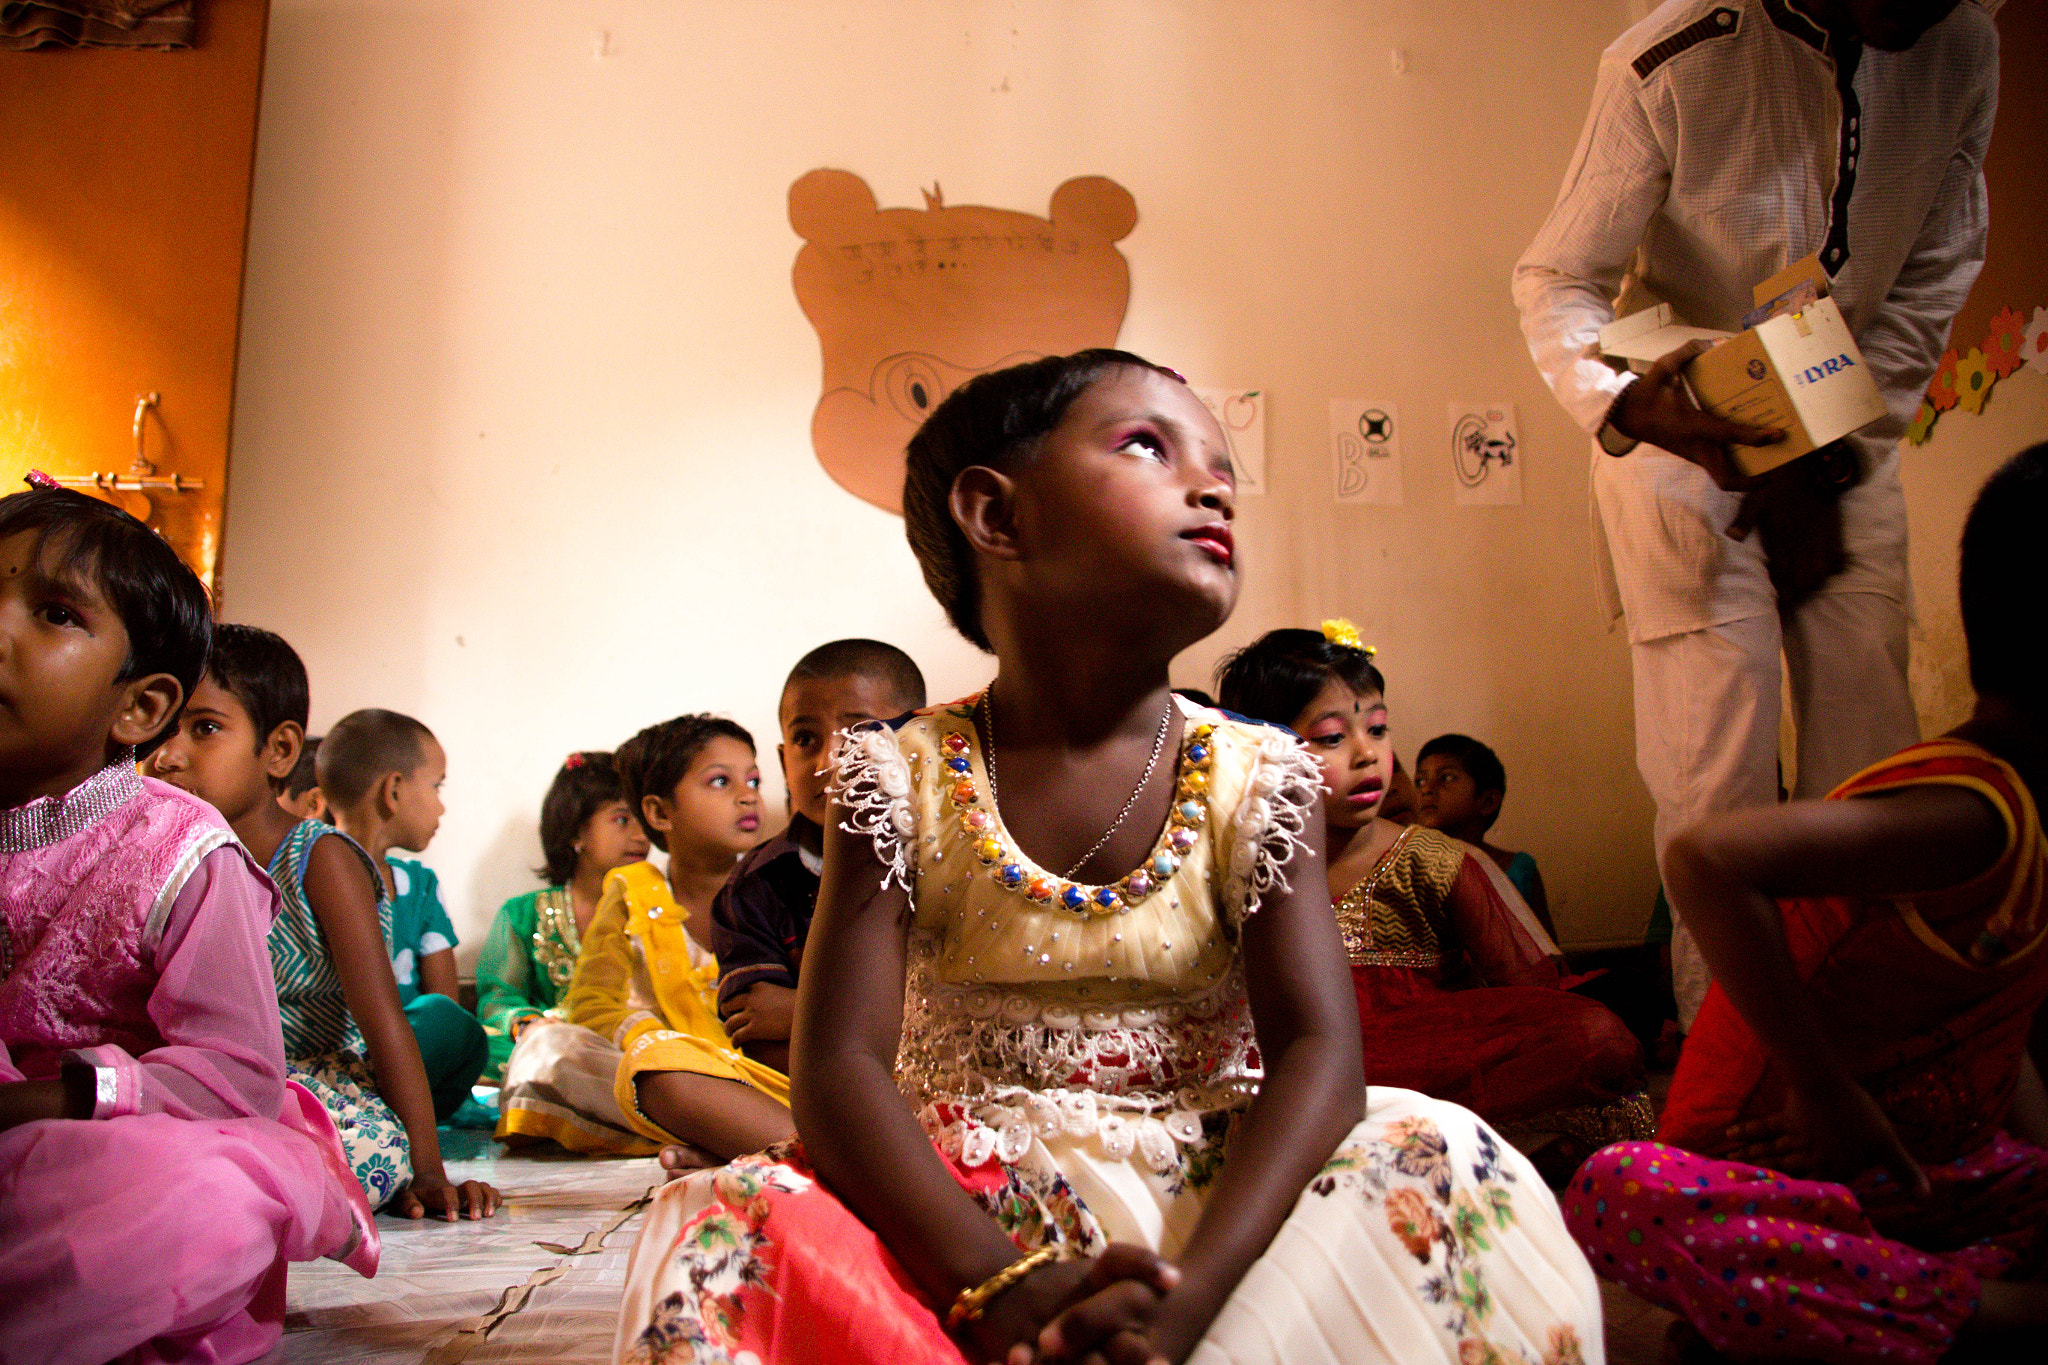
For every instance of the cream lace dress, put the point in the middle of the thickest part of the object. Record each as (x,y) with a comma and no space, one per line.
(1079,1055)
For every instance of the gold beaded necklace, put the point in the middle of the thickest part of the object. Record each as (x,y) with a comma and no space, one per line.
(988,711)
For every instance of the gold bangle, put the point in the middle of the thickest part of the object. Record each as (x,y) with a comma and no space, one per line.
(972,1301)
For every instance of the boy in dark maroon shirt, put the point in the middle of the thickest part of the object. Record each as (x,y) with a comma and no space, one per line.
(761,916)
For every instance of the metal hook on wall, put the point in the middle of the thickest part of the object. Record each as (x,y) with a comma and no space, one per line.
(143,403)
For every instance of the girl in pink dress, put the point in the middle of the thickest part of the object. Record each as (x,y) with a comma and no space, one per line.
(156,1170)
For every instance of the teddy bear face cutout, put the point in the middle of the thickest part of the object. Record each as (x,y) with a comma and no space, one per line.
(909,304)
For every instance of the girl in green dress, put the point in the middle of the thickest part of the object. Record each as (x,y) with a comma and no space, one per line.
(586,830)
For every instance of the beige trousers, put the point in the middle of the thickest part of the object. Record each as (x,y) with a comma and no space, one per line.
(1707,706)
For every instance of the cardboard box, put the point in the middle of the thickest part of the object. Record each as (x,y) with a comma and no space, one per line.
(1796,368)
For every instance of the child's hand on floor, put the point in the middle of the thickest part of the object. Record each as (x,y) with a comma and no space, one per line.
(470,1199)
(764,1015)
(1095,1308)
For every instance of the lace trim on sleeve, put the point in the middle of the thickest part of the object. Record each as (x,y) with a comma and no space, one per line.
(202,846)
(1278,802)
(871,780)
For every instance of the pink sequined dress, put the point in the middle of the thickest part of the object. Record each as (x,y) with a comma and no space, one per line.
(132,930)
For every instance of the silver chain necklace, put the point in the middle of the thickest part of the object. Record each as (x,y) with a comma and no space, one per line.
(988,711)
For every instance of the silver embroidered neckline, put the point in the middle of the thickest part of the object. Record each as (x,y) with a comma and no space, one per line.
(53,819)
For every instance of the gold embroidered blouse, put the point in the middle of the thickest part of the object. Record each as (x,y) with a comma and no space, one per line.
(1399,915)
(1034,1000)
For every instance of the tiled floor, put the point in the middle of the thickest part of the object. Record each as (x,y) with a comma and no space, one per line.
(538,1284)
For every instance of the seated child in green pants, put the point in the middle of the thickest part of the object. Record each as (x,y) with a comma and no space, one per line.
(381,774)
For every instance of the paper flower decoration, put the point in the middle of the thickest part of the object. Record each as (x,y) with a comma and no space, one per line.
(1973,381)
(2034,345)
(1942,392)
(1922,425)
(2002,344)
(1341,632)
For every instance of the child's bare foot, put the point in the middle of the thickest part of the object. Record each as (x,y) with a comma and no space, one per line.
(680,1159)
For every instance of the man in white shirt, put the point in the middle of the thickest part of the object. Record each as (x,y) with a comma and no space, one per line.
(1727,139)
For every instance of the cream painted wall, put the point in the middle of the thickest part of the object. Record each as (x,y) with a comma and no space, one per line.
(522,429)
(1941,480)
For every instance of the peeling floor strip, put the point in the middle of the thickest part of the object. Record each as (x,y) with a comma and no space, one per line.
(537,1285)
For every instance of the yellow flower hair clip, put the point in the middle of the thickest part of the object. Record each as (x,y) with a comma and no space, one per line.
(1341,632)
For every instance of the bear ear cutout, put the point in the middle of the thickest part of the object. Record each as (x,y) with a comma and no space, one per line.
(827,204)
(1093,203)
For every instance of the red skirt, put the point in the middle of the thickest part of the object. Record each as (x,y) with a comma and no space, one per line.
(1508,1053)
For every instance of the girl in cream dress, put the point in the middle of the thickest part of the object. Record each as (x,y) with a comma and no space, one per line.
(1116,1109)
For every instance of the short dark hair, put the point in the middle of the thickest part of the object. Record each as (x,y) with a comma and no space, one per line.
(2003,575)
(363,748)
(263,673)
(1480,763)
(162,604)
(1276,676)
(585,784)
(998,420)
(859,658)
(653,761)
(303,776)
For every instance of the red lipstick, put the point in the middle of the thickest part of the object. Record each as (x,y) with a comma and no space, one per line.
(1214,540)
(1366,793)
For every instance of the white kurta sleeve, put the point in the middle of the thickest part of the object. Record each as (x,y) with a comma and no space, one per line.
(1903,344)
(1566,281)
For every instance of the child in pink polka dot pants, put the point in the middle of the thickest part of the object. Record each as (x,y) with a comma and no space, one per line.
(1854,1164)
(1764,1263)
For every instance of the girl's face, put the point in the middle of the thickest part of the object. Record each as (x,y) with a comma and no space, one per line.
(717,804)
(1350,738)
(62,645)
(610,838)
(1128,505)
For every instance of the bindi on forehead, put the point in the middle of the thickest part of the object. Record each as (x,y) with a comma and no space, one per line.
(49,563)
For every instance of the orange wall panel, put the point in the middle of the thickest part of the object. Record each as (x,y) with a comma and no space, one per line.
(2016,173)
(124,208)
